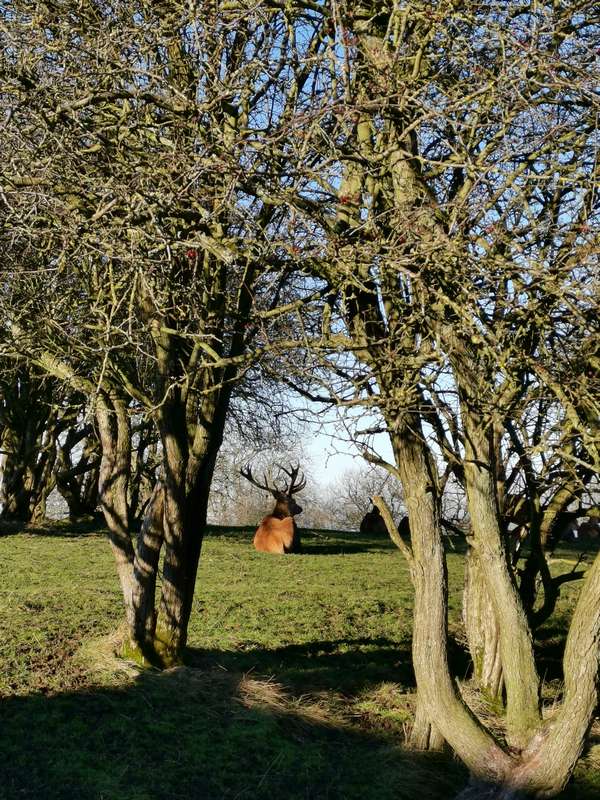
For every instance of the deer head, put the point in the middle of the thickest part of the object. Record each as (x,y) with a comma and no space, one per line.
(285,505)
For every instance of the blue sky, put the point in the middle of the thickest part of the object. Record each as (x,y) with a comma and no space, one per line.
(332,453)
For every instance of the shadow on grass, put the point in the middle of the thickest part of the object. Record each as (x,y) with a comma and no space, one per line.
(317,548)
(202,734)
(322,542)
(58,528)
(221,728)
(343,666)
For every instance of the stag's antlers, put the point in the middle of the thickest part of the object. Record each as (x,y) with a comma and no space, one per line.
(292,473)
(246,472)
(268,485)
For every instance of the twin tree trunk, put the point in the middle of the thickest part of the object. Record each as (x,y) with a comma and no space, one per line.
(537,759)
(542,752)
(174,522)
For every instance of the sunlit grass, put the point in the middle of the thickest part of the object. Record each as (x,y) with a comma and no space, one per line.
(298,681)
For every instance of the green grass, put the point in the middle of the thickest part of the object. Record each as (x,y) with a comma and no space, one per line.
(298,683)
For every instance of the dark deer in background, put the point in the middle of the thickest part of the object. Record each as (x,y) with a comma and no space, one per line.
(278,532)
(372,522)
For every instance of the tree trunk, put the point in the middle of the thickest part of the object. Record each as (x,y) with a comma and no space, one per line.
(89,490)
(39,498)
(550,758)
(145,572)
(185,511)
(42,475)
(78,483)
(174,518)
(15,492)
(424,735)
(145,464)
(171,628)
(29,442)
(516,645)
(481,627)
(547,758)
(435,685)
(113,425)
(545,765)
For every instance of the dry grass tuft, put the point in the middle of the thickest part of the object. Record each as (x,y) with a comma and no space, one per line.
(263,693)
(304,711)
(483,707)
(101,660)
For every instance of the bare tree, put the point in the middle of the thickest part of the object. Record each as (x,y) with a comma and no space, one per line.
(146,242)
(461,260)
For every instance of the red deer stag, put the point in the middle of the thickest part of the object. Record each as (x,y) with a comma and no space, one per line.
(278,532)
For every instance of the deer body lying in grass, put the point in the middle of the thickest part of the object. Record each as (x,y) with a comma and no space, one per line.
(373,523)
(278,532)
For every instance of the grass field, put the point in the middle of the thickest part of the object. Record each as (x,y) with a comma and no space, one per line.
(298,683)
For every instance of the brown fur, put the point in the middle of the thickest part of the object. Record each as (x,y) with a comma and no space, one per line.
(277,535)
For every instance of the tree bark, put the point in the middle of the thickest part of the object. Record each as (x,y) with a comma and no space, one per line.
(545,765)
(115,437)
(435,685)
(481,628)
(15,497)
(146,563)
(145,463)
(424,735)
(516,645)
(185,511)
(550,758)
